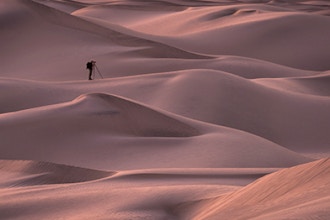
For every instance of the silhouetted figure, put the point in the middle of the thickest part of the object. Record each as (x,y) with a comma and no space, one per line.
(90,66)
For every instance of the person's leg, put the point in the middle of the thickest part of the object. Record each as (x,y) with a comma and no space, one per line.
(90,74)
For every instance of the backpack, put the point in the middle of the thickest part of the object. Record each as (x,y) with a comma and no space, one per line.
(89,65)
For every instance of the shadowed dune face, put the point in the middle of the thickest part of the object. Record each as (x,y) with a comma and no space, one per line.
(194,103)
(30,173)
(132,117)
(104,112)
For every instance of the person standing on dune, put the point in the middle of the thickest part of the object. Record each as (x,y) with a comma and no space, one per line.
(90,66)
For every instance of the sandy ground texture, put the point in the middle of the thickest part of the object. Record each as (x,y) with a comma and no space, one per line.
(216,109)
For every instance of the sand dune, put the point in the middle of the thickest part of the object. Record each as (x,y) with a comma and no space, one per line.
(57,28)
(303,187)
(102,199)
(109,129)
(204,110)
(313,85)
(235,30)
(30,173)
(257,106)
(299,192)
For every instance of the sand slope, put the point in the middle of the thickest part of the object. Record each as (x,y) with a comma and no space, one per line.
(300,192)
(199,100)
(263,107)
(114,133)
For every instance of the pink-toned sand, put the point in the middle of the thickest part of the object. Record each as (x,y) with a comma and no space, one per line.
(213,109)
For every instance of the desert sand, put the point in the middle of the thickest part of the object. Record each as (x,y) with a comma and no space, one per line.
(197,110)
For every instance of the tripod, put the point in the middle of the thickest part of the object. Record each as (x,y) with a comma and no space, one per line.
(97,70)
